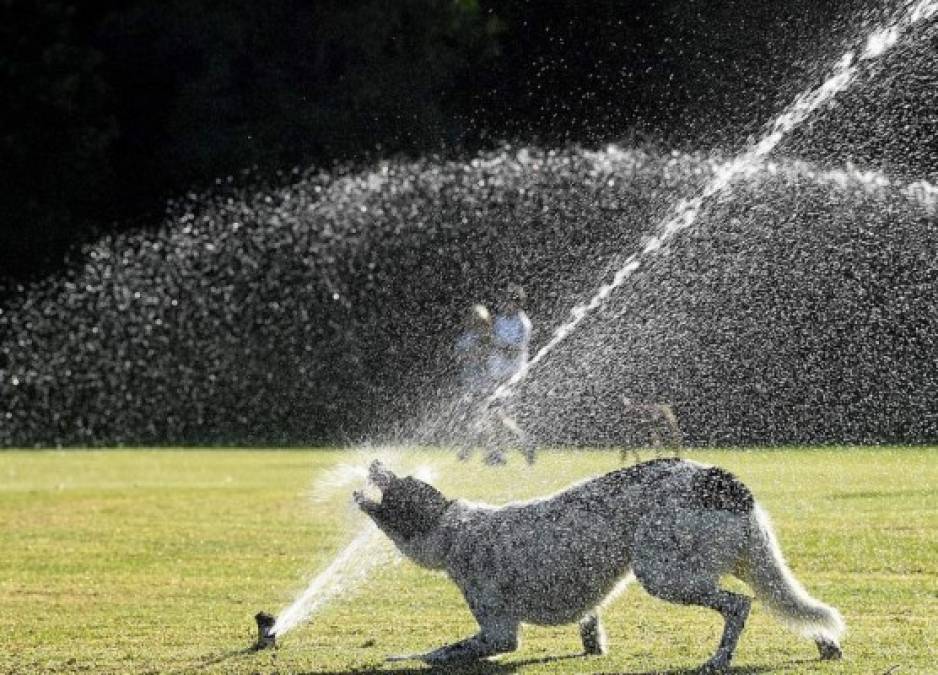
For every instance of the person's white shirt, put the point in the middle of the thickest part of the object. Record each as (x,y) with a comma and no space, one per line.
(511,334)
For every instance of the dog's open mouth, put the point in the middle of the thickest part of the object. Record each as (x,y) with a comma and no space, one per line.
(379,477)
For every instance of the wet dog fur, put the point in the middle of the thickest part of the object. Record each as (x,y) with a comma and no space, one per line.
(676,526)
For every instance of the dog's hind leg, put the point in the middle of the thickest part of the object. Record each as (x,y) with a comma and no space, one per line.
(679,558)
(496,637)
(703,591)
(592,634)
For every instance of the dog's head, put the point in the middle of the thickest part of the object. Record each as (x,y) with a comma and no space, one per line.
(409,508)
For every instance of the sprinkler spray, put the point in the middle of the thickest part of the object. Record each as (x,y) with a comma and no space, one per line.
(266,638)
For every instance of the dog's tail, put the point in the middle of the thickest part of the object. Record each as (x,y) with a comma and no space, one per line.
(775,585)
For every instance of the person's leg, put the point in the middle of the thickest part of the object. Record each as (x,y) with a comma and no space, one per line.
(490,436)
(670,419)
(523,440)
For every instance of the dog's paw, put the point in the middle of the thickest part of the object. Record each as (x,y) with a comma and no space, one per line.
(397,658)
(452,655)
(720,663)
(433,659)
(594,649)
(829,650)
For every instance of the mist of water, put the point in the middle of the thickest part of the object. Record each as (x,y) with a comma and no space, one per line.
(685,212)
(353,564)
(919,191)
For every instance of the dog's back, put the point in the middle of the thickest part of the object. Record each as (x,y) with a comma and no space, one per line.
(560,555)
(672,481)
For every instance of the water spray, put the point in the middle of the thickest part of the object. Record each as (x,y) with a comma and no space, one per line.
(350,567)
(347,570)
(746,163)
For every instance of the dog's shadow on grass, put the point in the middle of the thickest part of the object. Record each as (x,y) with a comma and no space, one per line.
(488,667)
(476,668)
(500,668)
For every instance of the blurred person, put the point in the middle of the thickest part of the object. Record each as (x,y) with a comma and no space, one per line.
(471,352)
(472,348)
(511,336)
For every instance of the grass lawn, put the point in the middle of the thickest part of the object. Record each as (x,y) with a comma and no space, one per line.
(156,561)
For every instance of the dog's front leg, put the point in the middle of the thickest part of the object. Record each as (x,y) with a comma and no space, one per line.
(592,634)
(496,637)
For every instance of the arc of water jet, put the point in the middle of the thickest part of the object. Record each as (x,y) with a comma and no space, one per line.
(348,569)
(685,213)
(331,582)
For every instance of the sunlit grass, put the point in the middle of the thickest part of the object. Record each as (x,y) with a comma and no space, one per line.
(137,561)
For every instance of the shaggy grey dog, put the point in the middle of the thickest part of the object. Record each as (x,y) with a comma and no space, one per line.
(677,525)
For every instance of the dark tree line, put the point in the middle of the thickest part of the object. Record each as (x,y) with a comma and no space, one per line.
(111,107)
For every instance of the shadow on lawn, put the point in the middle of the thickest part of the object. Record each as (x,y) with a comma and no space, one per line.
(497,668)
(479,668)
(207,662)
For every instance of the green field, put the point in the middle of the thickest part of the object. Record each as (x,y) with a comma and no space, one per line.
(156,561)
